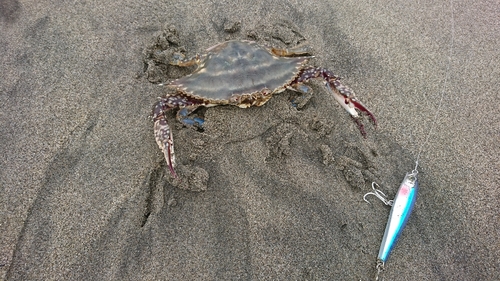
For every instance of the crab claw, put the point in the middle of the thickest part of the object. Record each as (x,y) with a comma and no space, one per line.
(345,97)
(163,136)
(357,104)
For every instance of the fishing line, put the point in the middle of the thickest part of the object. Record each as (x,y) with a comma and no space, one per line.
(402,205)
(445,86)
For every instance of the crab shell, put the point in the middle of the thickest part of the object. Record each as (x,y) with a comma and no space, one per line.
(240,73)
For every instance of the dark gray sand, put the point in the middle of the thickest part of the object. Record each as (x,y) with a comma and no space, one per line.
(85,193)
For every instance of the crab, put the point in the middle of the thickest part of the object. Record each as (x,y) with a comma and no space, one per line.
(244,74)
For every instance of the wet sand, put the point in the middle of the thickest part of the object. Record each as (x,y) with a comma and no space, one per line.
(269,193)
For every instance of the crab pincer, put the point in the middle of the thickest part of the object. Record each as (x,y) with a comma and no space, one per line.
(344,95)
(346,98)
(163,135)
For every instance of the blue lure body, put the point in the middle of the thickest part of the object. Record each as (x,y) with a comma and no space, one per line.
(400,212)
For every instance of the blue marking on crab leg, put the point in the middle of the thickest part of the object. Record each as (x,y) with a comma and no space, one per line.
(183,112)
(190,121)
(300,101)
(400,212)
(198,120)
(195,121)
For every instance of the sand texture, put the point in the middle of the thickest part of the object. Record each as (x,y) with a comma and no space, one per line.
(267,193)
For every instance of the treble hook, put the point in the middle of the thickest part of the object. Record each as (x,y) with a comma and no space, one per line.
(379,194)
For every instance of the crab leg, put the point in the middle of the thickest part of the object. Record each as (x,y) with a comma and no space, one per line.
(180,60)
(182,116)
(163,133)
(343,94)
(296,51)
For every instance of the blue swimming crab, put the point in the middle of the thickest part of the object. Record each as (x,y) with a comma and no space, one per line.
(244,74)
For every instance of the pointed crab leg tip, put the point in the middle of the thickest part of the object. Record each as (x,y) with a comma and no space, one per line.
(372,117)
(172,172)
(170,160)
(365,110)
(171,168)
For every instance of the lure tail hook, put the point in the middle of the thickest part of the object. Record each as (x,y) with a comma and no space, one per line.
(379,194)
(380,268)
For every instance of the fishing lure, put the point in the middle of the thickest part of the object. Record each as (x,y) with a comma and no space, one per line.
(401,209)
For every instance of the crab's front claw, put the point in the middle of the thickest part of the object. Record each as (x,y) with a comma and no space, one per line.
(345,97)
(357,104)
(164,139)
(163,136)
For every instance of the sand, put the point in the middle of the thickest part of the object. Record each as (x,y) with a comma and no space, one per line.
(269,193)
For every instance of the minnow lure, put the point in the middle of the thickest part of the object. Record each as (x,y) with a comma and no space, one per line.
(402,206)
(400,212)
